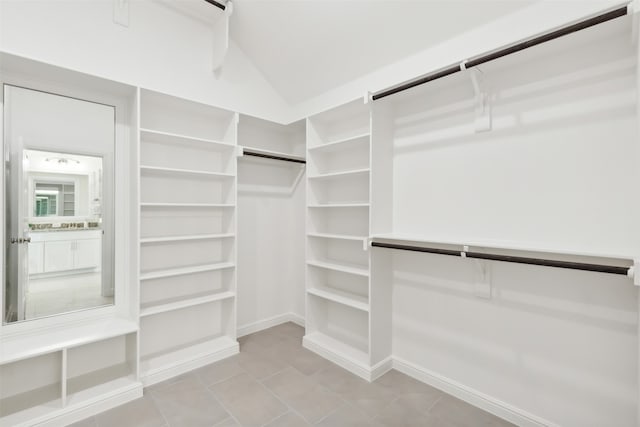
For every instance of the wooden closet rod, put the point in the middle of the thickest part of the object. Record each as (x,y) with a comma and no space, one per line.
(246,152)
(216,4)
(611,269)
(616,13)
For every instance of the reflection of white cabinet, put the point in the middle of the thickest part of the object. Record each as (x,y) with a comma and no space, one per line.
(87,253)
(36,257)
(58,256)
(50,252)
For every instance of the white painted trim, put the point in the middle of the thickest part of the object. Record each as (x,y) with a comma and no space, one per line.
(165,373)
(297,319)
(347,363)
(79,412)
(474,397)
(381,368)
(270,322)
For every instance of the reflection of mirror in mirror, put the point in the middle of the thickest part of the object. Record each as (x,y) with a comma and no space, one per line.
(53,199)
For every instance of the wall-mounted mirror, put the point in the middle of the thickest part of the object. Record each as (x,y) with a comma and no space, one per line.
(59,226)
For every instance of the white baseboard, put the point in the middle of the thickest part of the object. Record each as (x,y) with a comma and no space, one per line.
(165,373)
(369,373)
(381,368)
(474,397)
(270,322)
(77,413)
(297,319)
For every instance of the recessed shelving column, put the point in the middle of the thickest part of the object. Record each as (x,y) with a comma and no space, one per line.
(187,235)
(339,293)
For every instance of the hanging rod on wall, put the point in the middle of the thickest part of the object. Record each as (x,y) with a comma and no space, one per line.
(611,269)
(216,4)
(590,22)
(274,156)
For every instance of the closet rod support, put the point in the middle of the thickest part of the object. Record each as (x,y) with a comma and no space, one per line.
(216,4)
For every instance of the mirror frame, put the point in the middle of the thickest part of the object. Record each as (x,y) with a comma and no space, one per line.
(51,79)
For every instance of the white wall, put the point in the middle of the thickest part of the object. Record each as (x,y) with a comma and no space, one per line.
(540,17)
(270,242)
(557,344)
(160,50)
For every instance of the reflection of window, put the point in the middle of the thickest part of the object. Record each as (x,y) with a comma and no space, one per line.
(53,199)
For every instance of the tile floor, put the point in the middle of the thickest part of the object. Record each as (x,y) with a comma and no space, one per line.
(274,382)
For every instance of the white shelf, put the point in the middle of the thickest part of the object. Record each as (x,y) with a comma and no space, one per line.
(103,383)
(338,236)
(30,413)
(341,297)
(152,365)
(339,348)
(184,303)
(176,171)
(342,174)
(146,240)
(340,205)
(185,270)
(343,267)
(47,341)
(497,244)
(338,144)
(187,205)
(174,138)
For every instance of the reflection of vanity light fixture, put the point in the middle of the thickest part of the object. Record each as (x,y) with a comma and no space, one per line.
(62,160)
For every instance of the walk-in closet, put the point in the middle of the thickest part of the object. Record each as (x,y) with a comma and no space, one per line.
(306,213)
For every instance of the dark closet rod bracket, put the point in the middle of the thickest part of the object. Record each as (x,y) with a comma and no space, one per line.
(465,253)
(273,156)
(474,62)
(216,4)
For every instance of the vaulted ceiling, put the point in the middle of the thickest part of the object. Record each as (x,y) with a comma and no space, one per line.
(306,47)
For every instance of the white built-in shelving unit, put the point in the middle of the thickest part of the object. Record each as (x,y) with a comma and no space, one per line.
(49,376)
(339,315)
(187,235)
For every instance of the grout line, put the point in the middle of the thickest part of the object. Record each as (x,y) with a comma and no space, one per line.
(330,413)
(213,396)
(278,417)
(316,384)
(260,380)
(435,403)
(281,400)
(230,417)
(386,405)
(155,405)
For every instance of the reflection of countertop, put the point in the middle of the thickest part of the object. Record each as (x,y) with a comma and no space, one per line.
(58,234)
(57,229)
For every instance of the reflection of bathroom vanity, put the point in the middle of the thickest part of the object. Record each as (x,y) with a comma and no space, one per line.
(64,214)
(65,251)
